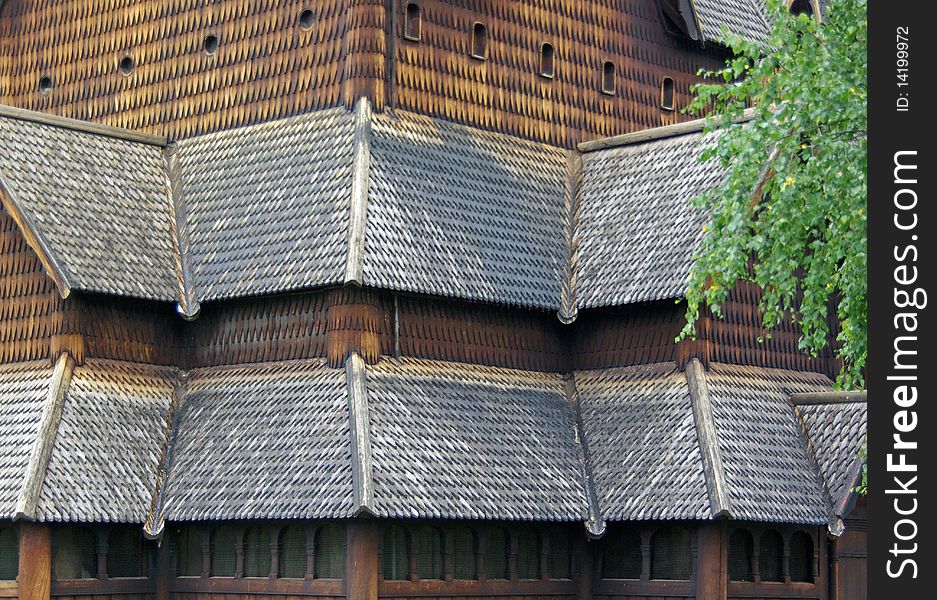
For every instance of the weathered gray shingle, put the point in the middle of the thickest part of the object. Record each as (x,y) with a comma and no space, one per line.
(744,18)
(110,439)
(23,390)
(457,211)
(769,472)
(836,432)
(637,229)
(643,446)
(101,204)
(267,205)
(261,441)
(465,441)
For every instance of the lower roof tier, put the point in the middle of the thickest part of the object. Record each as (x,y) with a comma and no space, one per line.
(109,441)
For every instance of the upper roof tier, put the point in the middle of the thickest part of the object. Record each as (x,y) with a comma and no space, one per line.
(390,200)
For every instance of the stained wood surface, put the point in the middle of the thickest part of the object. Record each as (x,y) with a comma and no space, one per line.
(35,572)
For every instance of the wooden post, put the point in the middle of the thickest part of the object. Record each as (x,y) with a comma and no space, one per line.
(165,570)
(361,562)
(585,569)
(35,571)
(712,569)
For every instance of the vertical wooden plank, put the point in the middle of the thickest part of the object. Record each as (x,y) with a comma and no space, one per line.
(164,570)
(35,571)
(361,562)
(712,569)
(585,568)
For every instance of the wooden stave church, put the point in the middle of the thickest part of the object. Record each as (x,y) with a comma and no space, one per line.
(488,373)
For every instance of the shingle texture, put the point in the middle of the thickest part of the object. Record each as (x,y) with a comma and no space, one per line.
(23,390)
(637,229)
(261,441)
(643,446)
(465,441)
(456,211)
(101,204)
(836,432)
(110,439)
(744,18)
(769,473)
(267,205)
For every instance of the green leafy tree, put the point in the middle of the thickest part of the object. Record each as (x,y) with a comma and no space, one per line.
(794,199)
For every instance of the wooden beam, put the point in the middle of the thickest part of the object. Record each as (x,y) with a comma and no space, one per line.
(361,560)
(657,133)
(568,310)
(712,566)
(362,474)
(813,398)
(187,302)
(595,524)
(708,440)
(359,193)
(82,126)
(35,570)
(41,450)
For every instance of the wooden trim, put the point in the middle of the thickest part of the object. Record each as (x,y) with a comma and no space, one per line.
(359,193)
(41,450)
(36,241)
(9,589)
(652,587)
(656,133)
(568,311)
(595,525)
(83,126)
(815,398)
(98,587)
(491,587)
(356,379)
(708,441)
(773,589)
(154,522)
(188,304)
(259,586)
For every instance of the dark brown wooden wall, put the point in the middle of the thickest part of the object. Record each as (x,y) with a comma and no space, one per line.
(268,65)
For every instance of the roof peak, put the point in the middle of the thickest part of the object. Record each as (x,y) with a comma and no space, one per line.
(656,133)
(83,126)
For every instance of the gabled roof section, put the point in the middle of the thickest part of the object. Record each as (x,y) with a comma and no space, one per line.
(457,211)
(836,430)
(104,462)
(637,229)
(267,206)
(96,202)
(744,18)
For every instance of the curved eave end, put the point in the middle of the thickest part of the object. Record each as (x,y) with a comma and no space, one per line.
(567,316)
(595,529)
(154,531)
(365,511)
(835,528)
(189,312)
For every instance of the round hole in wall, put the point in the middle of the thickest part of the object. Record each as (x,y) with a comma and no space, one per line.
(306,19)
(210,44)
(45,85)
(126,65)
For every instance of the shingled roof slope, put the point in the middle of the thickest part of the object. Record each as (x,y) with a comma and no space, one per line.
(637,229)
(837,431)
(463,441)
(267,206)
(100,203)
(23,391)
(261,441)
(744,18)
(458,211)
(769,473)
(109,442)
(643,446)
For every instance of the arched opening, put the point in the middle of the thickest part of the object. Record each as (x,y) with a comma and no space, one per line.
(801,7)
(330,551)
(394,559)
(429,550)
(307,19)
(126,65)
(257,552)
(291,549)
(560,556)
(741,549)
(9,554)
(479,41)
(528,553)
(187,547)
(45,85)
(224,541)
(801,557)
(771,556)
(210,44)
(464,549)
(497,553)
(126,553)
(76,553)
(608,78)
(547,63)
(670,554)
(413,24)
(621,554)
(667,93)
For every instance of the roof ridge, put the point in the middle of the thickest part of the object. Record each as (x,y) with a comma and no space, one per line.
(595,525)
(835,397)
(187,303)
(708,439)
(358,209)
(568,309)
(155,522)
(834,522)
(656,133)
(81,126)
(362,471)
